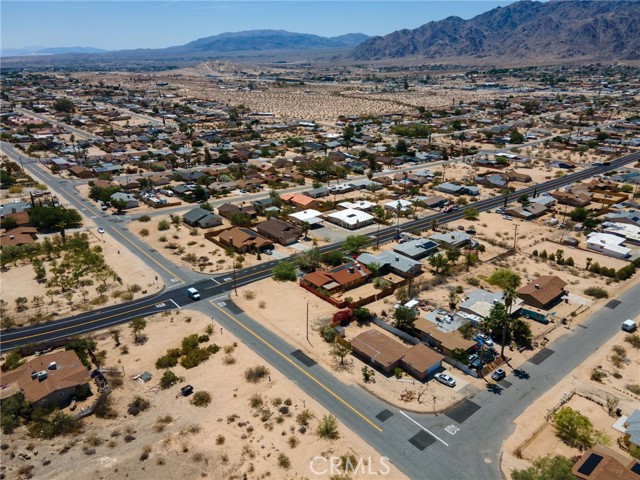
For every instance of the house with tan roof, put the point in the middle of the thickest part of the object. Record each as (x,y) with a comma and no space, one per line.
(51,379)
(378,349)
(300,200)
(343,277)
(19,236)
(244,240)
(543,292)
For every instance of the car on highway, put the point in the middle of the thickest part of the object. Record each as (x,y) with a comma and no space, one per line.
(445,379)
(193,293)
(499,374)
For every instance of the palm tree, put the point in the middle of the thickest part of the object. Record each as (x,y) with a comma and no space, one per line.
(510,295)
(381,217)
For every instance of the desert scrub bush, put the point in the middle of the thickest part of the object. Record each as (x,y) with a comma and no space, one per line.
(633,340)
(597,375)
(633,388)
(596,292)
(618,360)
(201,399)
(256,401)
(619,350)
(262,304)
(303,418)
(249,294)
(228,360)
(220,440)
(163,225)
(328,428)
(104,408)
(144,232)
(137,405)
(284,461)
(144,218)
(256,374)
(293,441)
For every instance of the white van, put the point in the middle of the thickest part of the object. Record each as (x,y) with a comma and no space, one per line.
(629,326)
(193,293)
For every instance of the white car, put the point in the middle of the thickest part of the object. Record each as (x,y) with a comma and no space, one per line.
(445,379)
(507,217)
(486,339)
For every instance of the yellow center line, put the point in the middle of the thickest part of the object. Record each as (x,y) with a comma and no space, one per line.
(148,256)
(331,392)
(78,324)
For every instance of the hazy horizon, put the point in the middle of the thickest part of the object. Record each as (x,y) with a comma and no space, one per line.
(122,25)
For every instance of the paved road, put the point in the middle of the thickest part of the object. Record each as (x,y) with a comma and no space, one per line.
(179,279)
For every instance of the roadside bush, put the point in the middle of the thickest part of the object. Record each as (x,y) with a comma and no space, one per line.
(597,375)
(104,408)
(195,357)
(144,218)
(164,225)
(633,340)
(144,232)
(596,292)
(138,405)
(328,428)
(256,374)
(201,399)
(633,388)
(169,360)
(169,379)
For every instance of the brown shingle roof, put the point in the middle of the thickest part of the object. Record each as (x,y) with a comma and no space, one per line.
(69,372)
(543,289)
(421,358)
(382,349)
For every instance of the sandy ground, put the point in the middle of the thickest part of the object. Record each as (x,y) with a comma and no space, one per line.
(19,281)
(227,439)
(266,307)
(546,443)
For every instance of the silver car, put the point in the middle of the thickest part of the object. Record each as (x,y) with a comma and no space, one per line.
(445,379)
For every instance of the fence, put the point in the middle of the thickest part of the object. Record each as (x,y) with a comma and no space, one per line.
(391,329)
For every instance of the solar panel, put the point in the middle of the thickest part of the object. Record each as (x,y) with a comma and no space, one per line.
(636,468)
(590,464)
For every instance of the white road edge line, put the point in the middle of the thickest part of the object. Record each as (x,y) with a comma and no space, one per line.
(423,428)
(172,301)
(214,280)
(221,297)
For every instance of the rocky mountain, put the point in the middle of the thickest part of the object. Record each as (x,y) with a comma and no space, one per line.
(268,40)
(525,31)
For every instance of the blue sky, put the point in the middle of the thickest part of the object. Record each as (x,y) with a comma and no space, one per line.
(151,24)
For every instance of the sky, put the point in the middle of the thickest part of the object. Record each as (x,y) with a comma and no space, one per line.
(115,25)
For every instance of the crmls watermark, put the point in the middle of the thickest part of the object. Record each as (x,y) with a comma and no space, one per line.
(349,465)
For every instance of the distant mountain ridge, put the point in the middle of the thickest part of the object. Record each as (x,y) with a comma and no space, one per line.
(15,52)
(252,40)
(526,30)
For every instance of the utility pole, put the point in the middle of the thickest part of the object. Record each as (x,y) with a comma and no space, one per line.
(235,285)
(308,324)
(515,237)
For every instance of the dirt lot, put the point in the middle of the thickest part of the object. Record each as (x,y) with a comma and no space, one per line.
(546,443)
(227,439)
(266,307)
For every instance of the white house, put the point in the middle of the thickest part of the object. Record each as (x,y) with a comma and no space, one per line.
(310,216)
(396,205)
(130,200)
(350,218)
(363,205)
(607,244)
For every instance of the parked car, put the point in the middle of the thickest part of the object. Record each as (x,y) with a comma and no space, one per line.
(499,210)
(499,374)
(461,227)
(470,231)
(486,339)
(445,379)
(507,217)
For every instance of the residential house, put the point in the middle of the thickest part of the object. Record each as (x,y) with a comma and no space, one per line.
(378,349)
(199,217)
(392,262)
(416,249)
(631,217)
(14,207)
(366,184)
(445,342)
(545,200)
(19,236)
(279,231)
(632,433)
(514,176)
(81,172)
(565,164)
(607,244)
(421,361)
(480,302)
(317,192)
(528,211)
(492,179)
(227,210)
(578,199)
(129,200)
(629,232)
(434,201)
(310,216)
(454,189)
(52,379)
(21,219)
(543,292)
(363,205)
(350,218)
(341,278)
(244,240)
(398,205)
(453,239)
(300,200)
(159,180)
(603,463)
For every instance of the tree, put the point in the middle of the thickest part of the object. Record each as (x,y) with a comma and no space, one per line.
(309,260)
(333,258)
(8,223)
(39,269)
(453,299)
(48,218)
(404,318)
(503,278)
(354,244)
(284,271)
(524,199)
(573,428)
(340,350)
(439,262)
(64,105)
(546,468)
(453,254)
(516,137)
(119,204)
(578,214)
(137,325)
(363,316)
(305,226)
(521,333)
(471,213)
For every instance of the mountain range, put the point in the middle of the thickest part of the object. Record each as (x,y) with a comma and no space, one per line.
(27,51)
(528,31)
